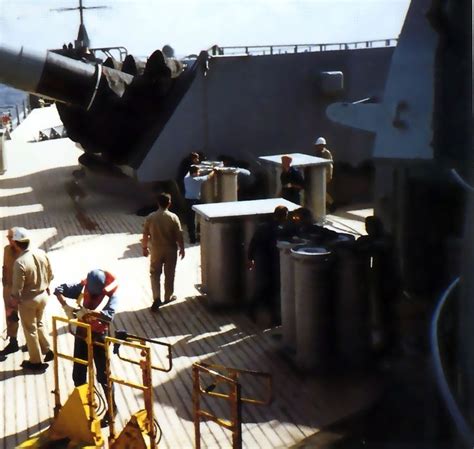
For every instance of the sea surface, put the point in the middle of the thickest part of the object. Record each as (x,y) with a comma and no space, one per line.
(10,97)
(9,100)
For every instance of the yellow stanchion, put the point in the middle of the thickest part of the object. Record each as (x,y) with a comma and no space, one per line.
(230,378)
(75,422)
(140,431)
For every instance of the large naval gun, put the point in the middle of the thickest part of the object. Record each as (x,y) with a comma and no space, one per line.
(150,116)
(114,110)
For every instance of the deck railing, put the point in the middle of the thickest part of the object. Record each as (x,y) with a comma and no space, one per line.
(16,113)
(260,50)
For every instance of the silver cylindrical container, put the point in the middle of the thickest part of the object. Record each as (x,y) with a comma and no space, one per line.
(226,185)
(224,263)
(208,191)
(313,315)
(315,193)
(205,236)
(287,292)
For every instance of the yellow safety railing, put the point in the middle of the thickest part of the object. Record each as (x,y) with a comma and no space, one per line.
(124,336)
(89,362)
(144,362)
(232,378)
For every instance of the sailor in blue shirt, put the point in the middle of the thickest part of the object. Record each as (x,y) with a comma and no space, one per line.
(192,185)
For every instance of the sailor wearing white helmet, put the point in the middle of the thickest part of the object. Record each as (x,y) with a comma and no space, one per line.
(32,275)
(322,151)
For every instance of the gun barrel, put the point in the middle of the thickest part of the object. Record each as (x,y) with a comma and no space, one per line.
(50,75)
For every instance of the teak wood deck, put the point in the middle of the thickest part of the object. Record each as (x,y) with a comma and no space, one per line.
(37,192)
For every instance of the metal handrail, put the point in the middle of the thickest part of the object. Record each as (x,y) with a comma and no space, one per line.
(256,50)
(145,387)
(87,362)
(462,426)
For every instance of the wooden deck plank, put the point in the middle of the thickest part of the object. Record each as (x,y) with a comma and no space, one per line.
(33,194)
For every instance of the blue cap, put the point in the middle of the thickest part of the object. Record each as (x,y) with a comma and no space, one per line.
(95,282)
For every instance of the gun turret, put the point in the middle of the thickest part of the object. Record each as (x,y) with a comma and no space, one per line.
(114,115)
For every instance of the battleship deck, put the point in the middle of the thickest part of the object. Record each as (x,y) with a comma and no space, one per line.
(88,226)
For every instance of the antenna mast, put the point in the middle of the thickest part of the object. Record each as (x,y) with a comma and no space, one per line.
(82,40)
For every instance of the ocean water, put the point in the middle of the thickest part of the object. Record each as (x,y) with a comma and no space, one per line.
(9,98)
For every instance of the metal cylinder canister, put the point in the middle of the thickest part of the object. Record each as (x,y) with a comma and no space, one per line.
(208,191)
(205,236)
(226,185)
(223,263)
(209,188)
(312,267)
(315,193)
(287,292)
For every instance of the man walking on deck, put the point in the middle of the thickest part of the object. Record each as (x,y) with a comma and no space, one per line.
(32,275)
(10,254)
(162,235)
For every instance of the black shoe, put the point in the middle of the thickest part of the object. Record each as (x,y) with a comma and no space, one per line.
(104,422)
(36,367)
(156,305)
(49,356)
(10,348)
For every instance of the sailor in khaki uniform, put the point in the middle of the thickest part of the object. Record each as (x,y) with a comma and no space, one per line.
(162,235)
(32,275)
(9,256)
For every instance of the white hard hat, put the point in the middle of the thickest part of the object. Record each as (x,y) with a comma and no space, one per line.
(320,141)
(20,235)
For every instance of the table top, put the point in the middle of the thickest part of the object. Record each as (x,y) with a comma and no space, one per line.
(239,209)
(299,159)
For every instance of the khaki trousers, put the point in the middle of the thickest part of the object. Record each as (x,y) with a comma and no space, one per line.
(163,259)
(12,320)
(31,314)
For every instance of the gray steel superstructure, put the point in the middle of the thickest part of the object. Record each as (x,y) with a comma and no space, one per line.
(241,106)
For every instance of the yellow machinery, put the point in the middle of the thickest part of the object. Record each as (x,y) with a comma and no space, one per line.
(75,424)
(229,380)
(141,431)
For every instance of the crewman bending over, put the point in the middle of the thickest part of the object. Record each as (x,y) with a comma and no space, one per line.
(96,304)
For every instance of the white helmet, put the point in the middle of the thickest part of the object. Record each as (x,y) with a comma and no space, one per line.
(320,141)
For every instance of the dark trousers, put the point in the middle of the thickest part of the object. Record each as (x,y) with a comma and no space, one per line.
(191,218)
(79,372)
(292,195)
(266,294)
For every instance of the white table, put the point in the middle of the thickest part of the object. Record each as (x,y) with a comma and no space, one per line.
(226,231)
